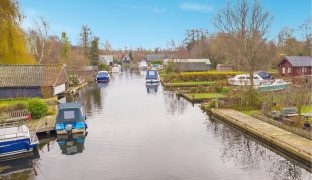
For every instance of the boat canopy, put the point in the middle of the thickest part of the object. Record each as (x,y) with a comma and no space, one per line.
(264,75)
(102,74)
(69,112)
(151,74)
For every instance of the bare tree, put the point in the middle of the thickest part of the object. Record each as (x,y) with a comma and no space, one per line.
(248,24)
(107,47)
(37,39)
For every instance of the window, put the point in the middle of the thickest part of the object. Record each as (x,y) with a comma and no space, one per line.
(289,70)
(241,78)
(283,70)
(69,114)
(256,77)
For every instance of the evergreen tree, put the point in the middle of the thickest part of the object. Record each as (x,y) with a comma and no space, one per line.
(94,51)
(66,48)
(12,38)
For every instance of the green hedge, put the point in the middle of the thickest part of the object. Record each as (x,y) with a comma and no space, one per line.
(199,76)
(37,108)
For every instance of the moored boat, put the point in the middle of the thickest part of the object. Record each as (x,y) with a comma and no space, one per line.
(278,84)
(116,68)
(16,139)
(152,76)
(70,119)
(143,64)
(102,76)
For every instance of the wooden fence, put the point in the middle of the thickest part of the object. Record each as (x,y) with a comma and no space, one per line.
(300,132)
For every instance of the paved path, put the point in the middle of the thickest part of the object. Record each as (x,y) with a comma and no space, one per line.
(291,143)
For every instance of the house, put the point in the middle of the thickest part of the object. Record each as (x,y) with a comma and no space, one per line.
(189,65)
(224,68)
(155,57)
(296,65)
(126,60)
(106,59)
(19,81)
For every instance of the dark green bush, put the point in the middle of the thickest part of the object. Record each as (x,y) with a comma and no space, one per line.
(37,108)
(218,89)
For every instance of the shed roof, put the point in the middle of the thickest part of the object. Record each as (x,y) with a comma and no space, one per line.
(191,66)
(154,57)
(299,61)
(32,75)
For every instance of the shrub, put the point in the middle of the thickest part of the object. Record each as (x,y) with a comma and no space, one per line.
(73,80)
(37,107)
(218,89)
(103,67)
(225,90)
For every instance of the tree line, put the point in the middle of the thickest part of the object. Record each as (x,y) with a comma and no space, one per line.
(37,46)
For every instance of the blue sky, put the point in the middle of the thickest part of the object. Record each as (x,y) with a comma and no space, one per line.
(149,23)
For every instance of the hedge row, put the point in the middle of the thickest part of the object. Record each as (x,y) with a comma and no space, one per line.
(199,76)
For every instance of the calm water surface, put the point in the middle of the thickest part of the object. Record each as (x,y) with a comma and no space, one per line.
(141,133)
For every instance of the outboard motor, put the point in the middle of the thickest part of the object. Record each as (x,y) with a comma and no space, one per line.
(69,128)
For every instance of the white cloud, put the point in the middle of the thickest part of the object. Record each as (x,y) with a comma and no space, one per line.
(198,7)
(148,8)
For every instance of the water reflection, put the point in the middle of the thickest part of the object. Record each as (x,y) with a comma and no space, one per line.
(152,87)
(175,105)
(91,97)
(71,144)
(252,155)
(25,163)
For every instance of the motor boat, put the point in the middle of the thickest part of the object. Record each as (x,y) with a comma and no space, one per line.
(278,84)
(102,76)
(70,119)
(16,139)
(152,76)
(116,68)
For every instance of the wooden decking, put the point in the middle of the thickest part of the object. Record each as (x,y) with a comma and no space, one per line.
(291,144)
(46,124)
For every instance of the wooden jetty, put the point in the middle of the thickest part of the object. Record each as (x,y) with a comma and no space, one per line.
(45,124)
(291,144)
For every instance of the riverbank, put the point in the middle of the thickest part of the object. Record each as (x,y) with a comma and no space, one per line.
(293,145)
(76,88)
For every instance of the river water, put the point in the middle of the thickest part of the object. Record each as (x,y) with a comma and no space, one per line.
(141,133)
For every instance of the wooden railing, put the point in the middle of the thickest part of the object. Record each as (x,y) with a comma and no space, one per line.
(14,115)
(299,132)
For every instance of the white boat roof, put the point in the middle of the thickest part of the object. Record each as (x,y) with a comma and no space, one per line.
(13,132)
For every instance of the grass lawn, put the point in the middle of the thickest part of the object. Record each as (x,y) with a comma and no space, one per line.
(190,83)
(205,95)
(306,109)
(249,112)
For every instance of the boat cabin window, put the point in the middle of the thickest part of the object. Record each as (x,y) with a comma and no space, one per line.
(69,114)
(241,78)
(151,73)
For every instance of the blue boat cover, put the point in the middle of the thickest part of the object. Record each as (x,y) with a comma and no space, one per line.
(151,74)
(69,112)
(102,74)
(264,75)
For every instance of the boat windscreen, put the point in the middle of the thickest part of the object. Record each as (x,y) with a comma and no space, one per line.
(69,115)
(102,75)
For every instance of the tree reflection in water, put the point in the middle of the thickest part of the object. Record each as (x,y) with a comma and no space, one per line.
(250,155)
(175,106)
(91,97)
